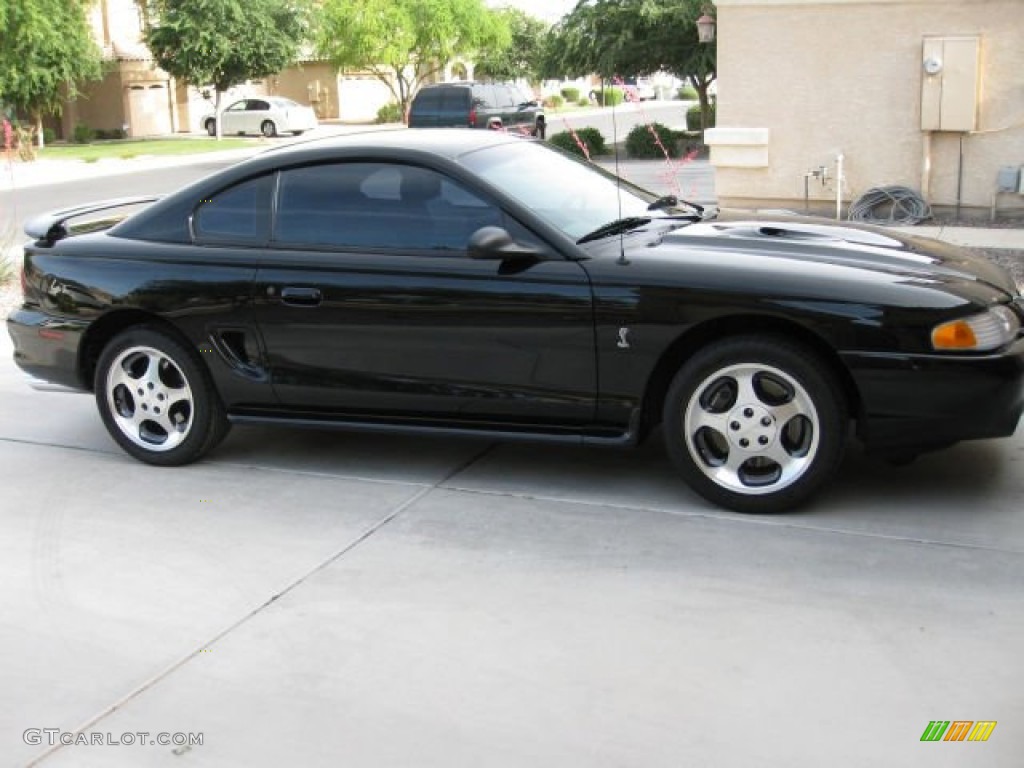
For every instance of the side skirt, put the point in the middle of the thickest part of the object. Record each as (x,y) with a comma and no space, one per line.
(566,437)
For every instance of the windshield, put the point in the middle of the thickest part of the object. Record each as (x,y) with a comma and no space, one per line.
(574,195)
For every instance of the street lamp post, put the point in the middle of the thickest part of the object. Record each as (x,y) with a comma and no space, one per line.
(706,28)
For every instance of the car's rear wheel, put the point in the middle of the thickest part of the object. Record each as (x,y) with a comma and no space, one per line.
(755,423)
(268,129)
(297,133)
(540,129)
(156,399)
(211,127)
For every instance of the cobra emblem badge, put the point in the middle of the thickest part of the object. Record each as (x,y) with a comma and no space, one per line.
(623,341)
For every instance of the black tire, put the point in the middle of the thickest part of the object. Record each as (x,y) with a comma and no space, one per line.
(268,129)
(211,127)
(540,129)
(755,423)
(297,133)
(156,398)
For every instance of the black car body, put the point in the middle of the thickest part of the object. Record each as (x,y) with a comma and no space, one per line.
(494,106)
(479,283)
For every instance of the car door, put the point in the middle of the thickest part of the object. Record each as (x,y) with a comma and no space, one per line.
(232,119)
(369,305)
(256,111)
(525,113)
(484,105)
(504,100)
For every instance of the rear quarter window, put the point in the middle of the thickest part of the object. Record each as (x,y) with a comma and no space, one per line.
(238,214)
(428,98)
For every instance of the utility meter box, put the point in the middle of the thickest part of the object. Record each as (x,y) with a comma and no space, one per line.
(950,83)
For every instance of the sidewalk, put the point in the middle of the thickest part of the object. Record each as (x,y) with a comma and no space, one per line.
(42,172)
(1004,238)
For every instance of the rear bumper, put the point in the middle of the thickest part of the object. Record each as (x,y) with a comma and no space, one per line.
(918,402)
(46,347)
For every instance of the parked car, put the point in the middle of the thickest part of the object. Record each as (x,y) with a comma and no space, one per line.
(633,89)
(495,106)
(269,115)
(642,88)
(479,283)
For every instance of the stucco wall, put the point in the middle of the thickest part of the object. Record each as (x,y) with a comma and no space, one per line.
(100,105)
(844,76)
(311,83)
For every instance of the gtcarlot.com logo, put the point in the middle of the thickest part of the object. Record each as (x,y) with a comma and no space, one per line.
(51,737)
(958,730)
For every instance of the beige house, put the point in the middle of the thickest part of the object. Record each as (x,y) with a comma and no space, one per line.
(139,98)
(134,95)
(839,96)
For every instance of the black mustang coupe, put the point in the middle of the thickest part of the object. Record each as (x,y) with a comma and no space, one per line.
(476,283)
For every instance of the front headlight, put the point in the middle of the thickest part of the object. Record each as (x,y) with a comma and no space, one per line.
(991,329)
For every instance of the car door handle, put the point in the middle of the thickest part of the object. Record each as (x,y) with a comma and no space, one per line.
(301,297)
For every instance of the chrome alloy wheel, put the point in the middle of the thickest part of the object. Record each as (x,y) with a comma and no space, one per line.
(751,429)
(149,398)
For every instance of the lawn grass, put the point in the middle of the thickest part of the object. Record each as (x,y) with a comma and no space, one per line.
(128,148)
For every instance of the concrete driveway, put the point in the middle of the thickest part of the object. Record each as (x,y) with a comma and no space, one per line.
(323,599)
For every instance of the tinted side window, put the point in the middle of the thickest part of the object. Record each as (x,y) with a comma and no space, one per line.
(239,214)
(428,98)
(378,206)
(504,96)
(483,96)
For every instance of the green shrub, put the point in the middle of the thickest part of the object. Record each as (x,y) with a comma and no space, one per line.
(641,142)
(82,134)
(693,118)
(554,101)
(610,97)
(389,113)
(571,94)
(49,136)
(109,135)
(583,101)
(686,93)
(592,137)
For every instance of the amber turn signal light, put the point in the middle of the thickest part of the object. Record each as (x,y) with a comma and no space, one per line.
(955,335)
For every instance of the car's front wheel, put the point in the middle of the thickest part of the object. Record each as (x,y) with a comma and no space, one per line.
(540,129)
(268,129)
(755,423)
(156,400)
(211,127)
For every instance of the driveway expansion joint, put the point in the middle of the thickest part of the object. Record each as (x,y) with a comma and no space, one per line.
(368,533)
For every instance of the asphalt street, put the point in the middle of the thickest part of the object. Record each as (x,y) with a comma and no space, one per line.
(306,598)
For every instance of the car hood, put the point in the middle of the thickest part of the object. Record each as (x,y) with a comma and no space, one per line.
(845,244)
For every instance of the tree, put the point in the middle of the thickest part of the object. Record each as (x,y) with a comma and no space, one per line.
(634,37)
(523,57)
(404,42)
(46,50)
(223,43)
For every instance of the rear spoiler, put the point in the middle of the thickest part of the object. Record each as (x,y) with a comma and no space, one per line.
(51,227)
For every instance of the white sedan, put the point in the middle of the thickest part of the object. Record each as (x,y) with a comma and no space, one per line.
(269,115)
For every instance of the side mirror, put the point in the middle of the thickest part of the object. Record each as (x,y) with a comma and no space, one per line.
(495,243)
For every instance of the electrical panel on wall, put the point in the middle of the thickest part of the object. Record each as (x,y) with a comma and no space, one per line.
(950,83)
